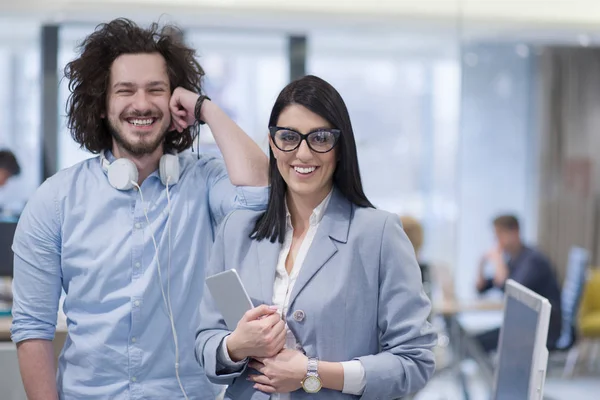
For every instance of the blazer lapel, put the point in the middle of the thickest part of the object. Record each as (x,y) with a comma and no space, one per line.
(268,255)
(332,228)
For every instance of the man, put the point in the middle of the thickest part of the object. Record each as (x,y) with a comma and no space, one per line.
(9,166)
(131,261)
(525,265)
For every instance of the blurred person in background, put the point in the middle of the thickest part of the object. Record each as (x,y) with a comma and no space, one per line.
(414,231)
(9,166)
(512,259)
(127,235)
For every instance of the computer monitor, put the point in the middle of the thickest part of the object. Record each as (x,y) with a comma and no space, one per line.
(522,354)
(7,233)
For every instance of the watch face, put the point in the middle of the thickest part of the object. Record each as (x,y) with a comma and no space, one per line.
(312,384)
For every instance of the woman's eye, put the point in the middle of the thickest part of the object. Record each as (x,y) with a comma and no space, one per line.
(288,137)
(321,137)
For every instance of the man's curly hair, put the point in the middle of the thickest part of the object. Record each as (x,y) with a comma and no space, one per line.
(89,78)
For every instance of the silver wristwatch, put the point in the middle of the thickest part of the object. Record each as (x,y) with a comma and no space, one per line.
(312,383)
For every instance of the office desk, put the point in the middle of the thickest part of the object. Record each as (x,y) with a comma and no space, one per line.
(461,341)
(5,328)
(454,307)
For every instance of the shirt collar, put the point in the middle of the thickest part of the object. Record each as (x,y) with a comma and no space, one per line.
(109,156)
(315,217)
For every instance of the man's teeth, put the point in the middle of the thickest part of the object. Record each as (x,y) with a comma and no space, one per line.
(141,122)
(304,170)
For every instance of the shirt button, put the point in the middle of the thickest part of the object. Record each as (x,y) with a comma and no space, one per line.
(138,225)
(136,303)
(133,340)
(137,265)
(133,379)
(299,315)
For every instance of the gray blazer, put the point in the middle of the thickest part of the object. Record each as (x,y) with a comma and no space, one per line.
(358,296)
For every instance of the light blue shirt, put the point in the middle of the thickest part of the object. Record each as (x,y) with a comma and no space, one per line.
(79,234)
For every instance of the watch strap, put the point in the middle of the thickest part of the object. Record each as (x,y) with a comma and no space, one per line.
(313,366)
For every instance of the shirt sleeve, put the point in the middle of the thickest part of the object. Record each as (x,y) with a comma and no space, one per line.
(489,283)
(354,378)
(224,197)
(37,276)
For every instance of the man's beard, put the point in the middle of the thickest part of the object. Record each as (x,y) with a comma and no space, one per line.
(137,149)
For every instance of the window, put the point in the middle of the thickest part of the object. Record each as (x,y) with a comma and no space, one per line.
(244,74)
(403,97)
(69,152)
(20,102)
(498,157)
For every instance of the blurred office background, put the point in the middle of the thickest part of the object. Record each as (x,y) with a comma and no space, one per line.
(462,110)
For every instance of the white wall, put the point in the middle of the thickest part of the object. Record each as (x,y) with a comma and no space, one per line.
(555,13)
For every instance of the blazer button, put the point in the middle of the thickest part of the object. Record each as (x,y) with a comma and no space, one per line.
(299,315)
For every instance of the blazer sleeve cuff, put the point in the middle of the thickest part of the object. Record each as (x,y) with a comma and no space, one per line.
(216,372)
(224,362)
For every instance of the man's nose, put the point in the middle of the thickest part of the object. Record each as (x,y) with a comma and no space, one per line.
(141,103)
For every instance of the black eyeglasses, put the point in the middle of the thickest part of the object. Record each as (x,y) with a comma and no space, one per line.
(319,141)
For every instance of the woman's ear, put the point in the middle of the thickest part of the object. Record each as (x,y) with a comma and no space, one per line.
(272,146)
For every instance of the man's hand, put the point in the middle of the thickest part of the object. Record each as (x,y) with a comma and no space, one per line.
(182,105)
(280,374)
(495,255)
(260,333)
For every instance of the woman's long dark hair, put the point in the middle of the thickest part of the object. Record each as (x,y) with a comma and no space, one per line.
(321,98)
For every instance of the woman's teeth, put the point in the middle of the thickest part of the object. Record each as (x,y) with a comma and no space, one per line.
(307,170)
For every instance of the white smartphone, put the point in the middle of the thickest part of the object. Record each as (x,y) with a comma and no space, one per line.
(230,296)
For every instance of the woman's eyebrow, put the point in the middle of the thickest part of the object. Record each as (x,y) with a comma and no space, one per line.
(320,128)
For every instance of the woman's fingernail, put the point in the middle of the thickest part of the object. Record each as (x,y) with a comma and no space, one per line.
(273,307)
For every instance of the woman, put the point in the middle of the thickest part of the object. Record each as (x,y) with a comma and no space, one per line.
(342,309)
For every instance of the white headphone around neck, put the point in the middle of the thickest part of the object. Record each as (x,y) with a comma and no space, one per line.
(122,173)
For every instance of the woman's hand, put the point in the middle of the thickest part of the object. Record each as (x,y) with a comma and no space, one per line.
(260,333)
(280,374)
